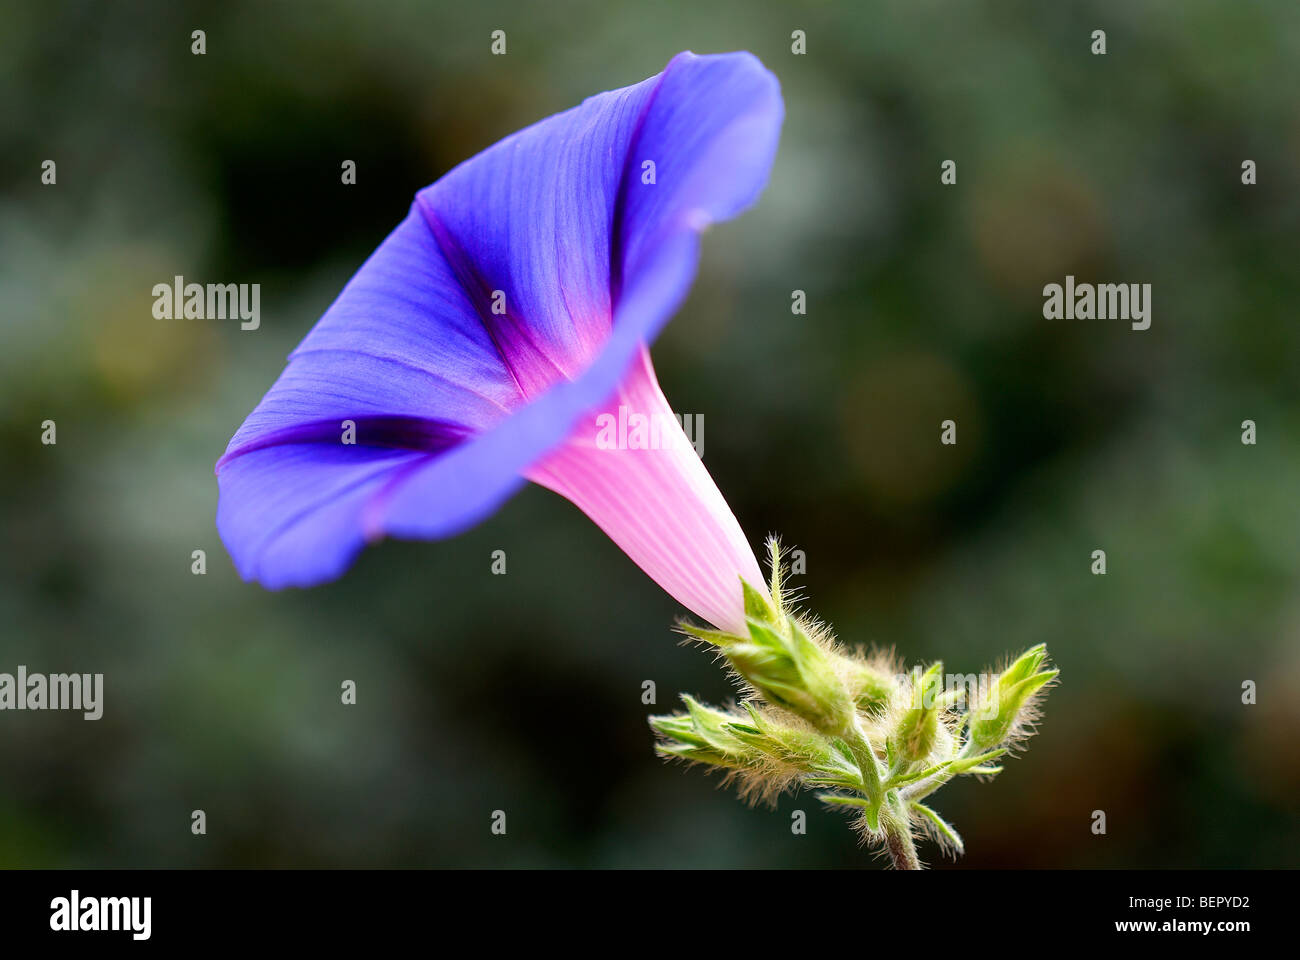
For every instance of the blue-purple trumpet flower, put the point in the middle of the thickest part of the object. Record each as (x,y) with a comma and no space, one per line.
(483,339)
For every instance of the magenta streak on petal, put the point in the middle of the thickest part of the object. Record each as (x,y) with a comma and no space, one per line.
(659,505)
(416,434)
(532,368)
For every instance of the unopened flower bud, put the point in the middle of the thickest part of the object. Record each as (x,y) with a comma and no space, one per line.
(797,747)
(917,731)
(1010,704)
(872,690)
(701,736)
(789,669)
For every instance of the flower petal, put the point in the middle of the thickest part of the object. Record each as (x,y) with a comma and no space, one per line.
(289,514)
(651,494)
(711,124)
(511,300)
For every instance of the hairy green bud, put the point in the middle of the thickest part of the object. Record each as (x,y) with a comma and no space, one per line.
(1010,704)
(701,736)
(917,730)
(788,668)
(871,690)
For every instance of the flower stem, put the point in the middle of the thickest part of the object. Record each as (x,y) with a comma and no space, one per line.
(898,835)
(894,822)
(865,756)
(923,788)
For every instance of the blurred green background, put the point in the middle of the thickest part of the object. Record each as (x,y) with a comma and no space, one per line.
(523,693)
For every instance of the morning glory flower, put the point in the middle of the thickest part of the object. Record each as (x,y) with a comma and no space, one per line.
(480,344)
(495,336)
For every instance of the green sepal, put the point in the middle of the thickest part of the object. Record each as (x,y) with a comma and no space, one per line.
(711,725)
(838,799)
(695,754)
(945,829)
(967,764)
(904,779)
(717,638)
(776,586)
(1025,666)
(678,726)
(757,605)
